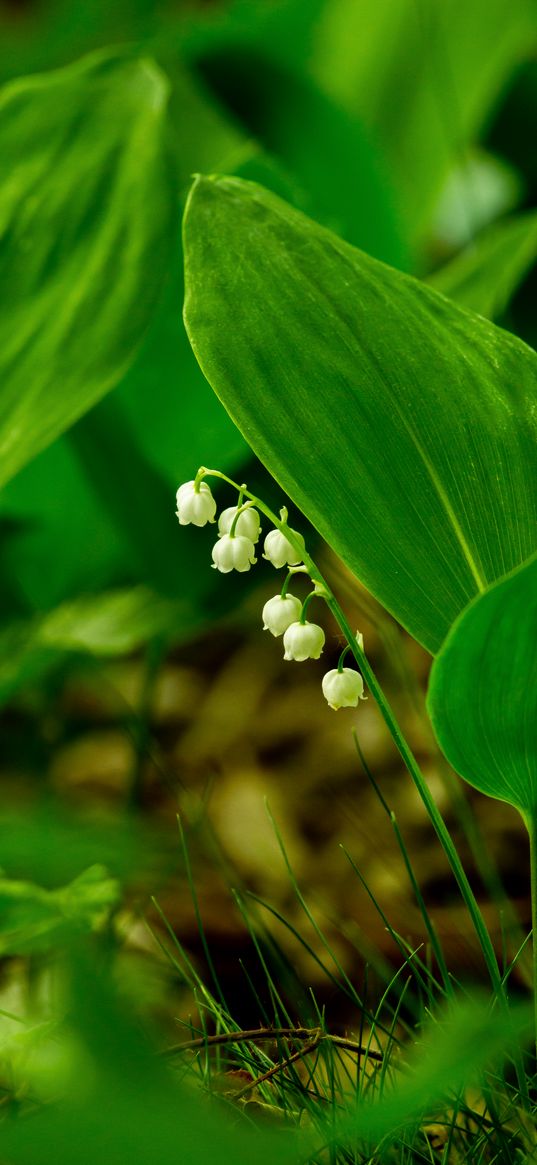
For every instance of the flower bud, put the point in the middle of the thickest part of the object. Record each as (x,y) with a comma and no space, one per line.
(278,613)
(343,689)
(233,553)
(248,523)
(196,507)
(280,552)
(303,641)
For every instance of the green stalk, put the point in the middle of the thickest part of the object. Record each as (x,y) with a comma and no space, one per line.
(412,767)
(438,823)
(396,734)
(240,510)
(423,789)
(290,575)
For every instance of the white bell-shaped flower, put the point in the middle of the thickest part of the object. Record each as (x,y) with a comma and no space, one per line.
(279,613)
(248,523)
(303,641)
(233,553)
(279,551)
(195,507)
(343,689)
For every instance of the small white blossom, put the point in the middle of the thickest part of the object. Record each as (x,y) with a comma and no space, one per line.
(195,507)
(278,613)
(279,551)
(185,488)
(237,553)
(248,523)
(303,641)
(343,689)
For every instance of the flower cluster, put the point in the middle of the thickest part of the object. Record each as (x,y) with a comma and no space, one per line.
(239,529)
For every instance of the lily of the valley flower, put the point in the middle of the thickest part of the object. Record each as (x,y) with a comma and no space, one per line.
(195,507)
(233,553)
(279,613)
(248,523)
(279,551)
(303,641)
(343,689)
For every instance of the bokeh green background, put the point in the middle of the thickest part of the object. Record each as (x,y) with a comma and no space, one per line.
(133,681)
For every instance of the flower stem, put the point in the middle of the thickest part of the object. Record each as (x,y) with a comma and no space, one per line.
(412,766)
(342,657)
(396,734)
(240,510)
(290,574)
(312,595)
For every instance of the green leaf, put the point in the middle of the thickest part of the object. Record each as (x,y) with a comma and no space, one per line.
(483,692)
(109,624)
(117,469)
(402,426)
(50,551)
(120,1101)
(484,277)
(105,625)
(477,191)
(451,1052)
(337,172)
(286,30)
(83,262)
(33,919)
(49,845)
(423,78)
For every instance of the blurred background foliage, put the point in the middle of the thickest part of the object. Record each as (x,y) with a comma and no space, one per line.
(386,123)
(133,682)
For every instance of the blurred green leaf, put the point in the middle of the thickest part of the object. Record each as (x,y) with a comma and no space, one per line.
(401,425)
(424,78)
(484,277)
(476,192)
(32,1052)
(47,845)
(285,29)
(33,919)
(59,538)
(451,1054)
(96,508)
(107,624)
(122,1104)
(22,659)
(83,262)
(338,175)
(483,691)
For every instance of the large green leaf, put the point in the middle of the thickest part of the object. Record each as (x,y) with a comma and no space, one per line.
(403,426)
(483,691)
(96,508)
(83,258)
